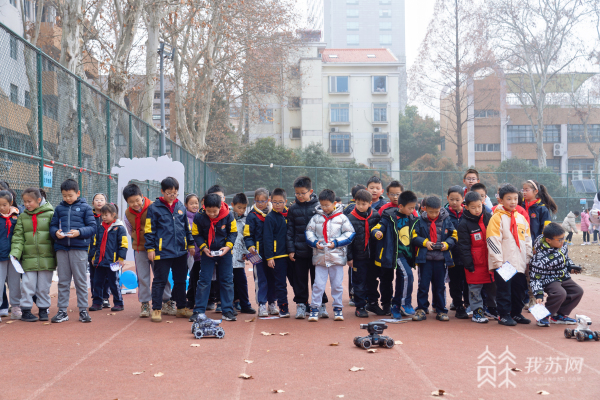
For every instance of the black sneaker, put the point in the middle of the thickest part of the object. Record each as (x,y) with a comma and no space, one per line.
(506,320)
(387,309)
(248,310)
(461,313)
(193,317)
(61,316)
(374,308)
(96,307)
(520,319)
(229,316)
(106,304)
(43,314)
(361,313)
(27,316)
(117,308)
(84,316)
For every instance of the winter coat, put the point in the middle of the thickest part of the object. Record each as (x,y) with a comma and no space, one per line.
(539,217)
(548,265)
(79,216)
(36,252)
(116,244)
(339,232)
(253,230)
(299,215)
(378,204)
(274,235)
(397,230)
(239,248)
(357,249)
(446,233)
(225,231)
(167,233)
(501,242)
(471,248)
(585,222)
(455,219)
(348,209)
(569,224)
(190,216)
(7,228)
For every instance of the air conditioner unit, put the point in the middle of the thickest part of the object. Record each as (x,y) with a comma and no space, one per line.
(559,150)
(334,130)
(377,130)
(577,175)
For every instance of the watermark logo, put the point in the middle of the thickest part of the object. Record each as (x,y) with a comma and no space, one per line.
(488,366)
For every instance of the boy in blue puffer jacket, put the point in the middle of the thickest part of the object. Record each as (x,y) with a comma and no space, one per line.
(72,228)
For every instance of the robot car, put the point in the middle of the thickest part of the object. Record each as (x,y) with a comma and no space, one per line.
(582,332)
(375,329)
(204,326)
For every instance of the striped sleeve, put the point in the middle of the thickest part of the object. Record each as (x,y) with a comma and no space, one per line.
(494,241)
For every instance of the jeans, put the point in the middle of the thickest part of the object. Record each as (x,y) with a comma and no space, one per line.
(161,270)
(434,273)
(240,287)
(360,270)
(404,283)
(459,289)
(224,266)
(265,283)
(510,295)
(102,276)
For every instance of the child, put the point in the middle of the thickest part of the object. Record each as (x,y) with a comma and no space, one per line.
(375,187)
(192,206)
(32,244)
(538,205)
(508,240)
(549,272)
(10,215)
(470,178)
(569,225)
(253,238)
(433,235)
(214,300)
(98,201)
(72,227)
(168,241)
(109,247)
(299,252)
(348,209)
(215,232)
(239,205)
(360,252)
(328,228)
(393,190)
(459,289)
(585,227)
(480,189)
(275,231)
(472,252)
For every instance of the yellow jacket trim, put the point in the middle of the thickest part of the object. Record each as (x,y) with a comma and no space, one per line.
(148,227)
(195,230)
(378,263)
(160,244)
(229,244)
(272,258)
(426,241)
(203,245)
(246,230)
(124,242)
(156,258)
(233,226)
(274,247)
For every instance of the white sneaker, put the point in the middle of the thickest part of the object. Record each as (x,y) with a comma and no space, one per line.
(15,312)
(273,310)
(300,311)
(469,312)
(4,312)
(323,312)
(262,310)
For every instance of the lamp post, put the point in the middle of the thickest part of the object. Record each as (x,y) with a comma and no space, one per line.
(165,50)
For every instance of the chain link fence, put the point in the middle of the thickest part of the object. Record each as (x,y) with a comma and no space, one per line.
(53,120)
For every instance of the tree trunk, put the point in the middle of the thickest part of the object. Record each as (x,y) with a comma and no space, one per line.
(539,136)
(154,13)
(70,52)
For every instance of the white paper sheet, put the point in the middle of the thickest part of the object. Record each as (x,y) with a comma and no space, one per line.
(506,271)
(539,311)
(17,265)
(115,267)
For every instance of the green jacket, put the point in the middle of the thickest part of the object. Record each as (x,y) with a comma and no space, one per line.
(35,251)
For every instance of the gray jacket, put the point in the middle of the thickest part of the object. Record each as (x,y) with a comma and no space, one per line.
(339,232)
(239,249)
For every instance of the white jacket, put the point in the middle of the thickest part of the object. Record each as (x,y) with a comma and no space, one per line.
(501,242)
(340,232)
(569,224)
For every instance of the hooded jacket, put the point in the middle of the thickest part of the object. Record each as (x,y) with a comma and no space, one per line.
(539,217)
(167,233)
(585,222)
(471,248)
(446,233)
(225,230)
(338,230)
(569,223)
(253,230)
(116,245)
(548,265)
(36,251)
(357,250)
(397,230)
(299,215)
(7,228)
(501,242)
(79,216)
(274,235)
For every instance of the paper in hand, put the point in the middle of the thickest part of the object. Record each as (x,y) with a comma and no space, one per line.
(507,271)
(115,266)
(17,265)
(539,311)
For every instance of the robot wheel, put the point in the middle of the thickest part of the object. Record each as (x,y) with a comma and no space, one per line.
(198,334)
(580,336)
(568,333)
(366,343)
(220,333)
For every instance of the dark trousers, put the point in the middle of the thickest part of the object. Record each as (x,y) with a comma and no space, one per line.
(280,275)
(360,270)
(290,274)
(386,279)
(224,266)
(4,305)
(240,287)
(102,276)
(459,289)
(586,237)
(434,273)
(510,295)
(193,283)
(569,237)
(161,270)
(404,283)
(350,283)
(302,268)
(105,289)
(563,296)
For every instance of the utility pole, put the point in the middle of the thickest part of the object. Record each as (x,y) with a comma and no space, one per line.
(164,51)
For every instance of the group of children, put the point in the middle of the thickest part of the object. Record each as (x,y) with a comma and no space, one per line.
(464,244)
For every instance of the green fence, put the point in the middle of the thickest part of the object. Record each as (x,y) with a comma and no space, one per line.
(49,116)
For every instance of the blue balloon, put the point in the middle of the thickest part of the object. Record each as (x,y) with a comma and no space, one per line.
(187,281)
(129,279)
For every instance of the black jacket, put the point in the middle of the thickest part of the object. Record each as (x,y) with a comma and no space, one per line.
(348,209)
(356,250)
(299,215)
(225,231)
(274,236)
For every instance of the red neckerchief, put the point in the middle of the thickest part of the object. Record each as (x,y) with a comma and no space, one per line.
(138,217)
(355,213)
(465,193)
(104,239)
(457,215)
(34,221)
(285,213)
(513,227)
(433,229)
(170,207)
(211,231)
(327,219)
(385,207)
(8,217)
(529,204)
(97,215)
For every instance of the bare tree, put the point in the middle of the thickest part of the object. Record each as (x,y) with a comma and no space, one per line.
(585,103)
(154,10)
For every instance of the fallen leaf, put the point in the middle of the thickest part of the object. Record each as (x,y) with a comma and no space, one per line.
(251,320)
(372,351)
(355,369)
(46,323)
(70,310)
(138,373)
(334,344)
(278,391)
(248,361)
(266,333)
(9,322)
(515,369)
(245,376)
(111,313)
(439,392)
(284,333)
(168,322)
(340,396)
(397,342)
(194,345)
(543,392)
(158,375)
(342,327)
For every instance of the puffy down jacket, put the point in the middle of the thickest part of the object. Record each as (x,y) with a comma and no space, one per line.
(336,229)
(471,248)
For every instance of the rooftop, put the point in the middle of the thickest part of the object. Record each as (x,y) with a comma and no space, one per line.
(358,56)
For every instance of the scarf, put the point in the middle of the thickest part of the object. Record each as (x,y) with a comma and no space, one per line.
(170,207)
(34,221)
(104,239)
(223,212)
(513,227)
(8,217)
(529,204)
(433,230)
(138,217)
(260,214)
(284,212)
(327,219)
(355,213)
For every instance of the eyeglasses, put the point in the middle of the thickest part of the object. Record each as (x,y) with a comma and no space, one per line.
(526,190)
(301,194)
(261,202)
(471,179)
(394,195)
(278,203)
(172,194)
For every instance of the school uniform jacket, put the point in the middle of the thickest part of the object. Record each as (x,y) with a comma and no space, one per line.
(397,230)
(253,231)
(225,231)
(274,235)
(167,233)
(446,233)
(362,247)
(348,209)
(79,216)
(548,265)
(539,217)
(471,248)
(455,219)
(7,227)
(501,243)
(116,244)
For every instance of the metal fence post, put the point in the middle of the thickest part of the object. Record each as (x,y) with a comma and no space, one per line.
(204,183)
(244,178)
(40,117)
(130,138)
(148,155)
(79,139)
(442,184)
(411,181)
(316,179)
(108,147)
(280,176)
(349,188)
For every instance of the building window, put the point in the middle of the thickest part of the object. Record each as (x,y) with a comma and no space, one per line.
(266,116)
(13,47)
(486,113)
(380,112)
(581,164)
(14,93)
(380,84)
(352,13)
(442,143)
(385,26)
(352,26)
(380,143)
(156,116)
(352,40)
(575,133)
(487,147)
(385,40)
(340,143)
(382,166)
(338,84)
(294,102)
(296,133)
(340,113)
(553,163)
(27,99)
(295,71)
(385,13)
(524,134)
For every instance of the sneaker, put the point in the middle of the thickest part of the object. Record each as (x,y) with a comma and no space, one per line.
(84,316)
(218,308)
(193,317)
(442,317)
(396,314)
(273,309)
(117,308)
(374,308)
(105,304)
(156,316)
(520,319)
(284,311)
(491,312)
(469,311)
(262,310)
(229,316)
(43,314)
(452,307)
(211,306)
(361,313)
(169,308)
(323,312)
(419,315)
(337,314)
(300,311)
(237,306)
(4,312)
(387,309)
(407,311)
(96,307)
(507,320)
(562,319)
(314,314)
(543,322)
(248,310)
(27,316)
(145,313)
(61,316)
(184,313)
(351,303)
(461,313)
(479,316)
(15,313)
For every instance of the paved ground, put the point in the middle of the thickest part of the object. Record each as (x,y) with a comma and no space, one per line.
(97,361)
